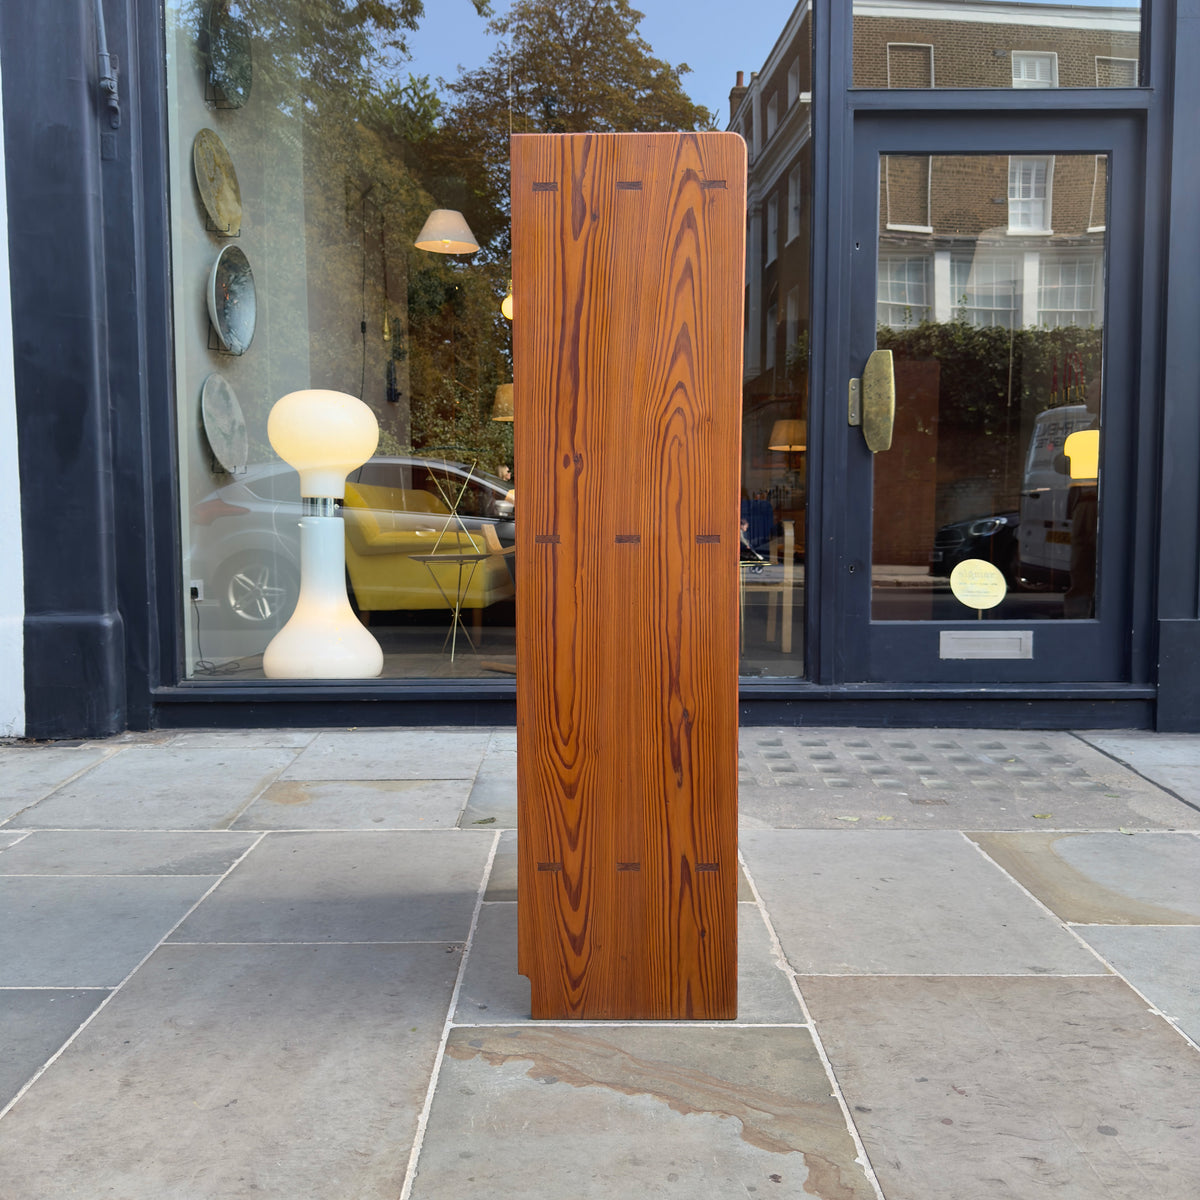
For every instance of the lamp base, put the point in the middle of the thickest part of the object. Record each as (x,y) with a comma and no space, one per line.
(323,639)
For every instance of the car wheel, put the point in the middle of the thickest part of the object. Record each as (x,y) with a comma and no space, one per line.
(259,592)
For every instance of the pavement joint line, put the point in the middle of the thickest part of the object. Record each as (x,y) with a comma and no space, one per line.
(410,1172)
(114,992)
(862,1157)
(1109,968)
(1130,767)
(106,753)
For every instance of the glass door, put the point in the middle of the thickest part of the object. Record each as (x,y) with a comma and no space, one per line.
(988,517)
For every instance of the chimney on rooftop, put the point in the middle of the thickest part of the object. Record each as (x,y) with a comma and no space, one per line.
(737,92)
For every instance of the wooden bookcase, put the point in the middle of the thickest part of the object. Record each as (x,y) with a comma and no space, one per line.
(628,261)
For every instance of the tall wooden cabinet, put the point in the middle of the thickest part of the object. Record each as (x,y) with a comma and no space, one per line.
(628,260)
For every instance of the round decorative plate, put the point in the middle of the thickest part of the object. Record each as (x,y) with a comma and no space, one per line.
(230,68)
(232,305)
(224,423)
(218,183)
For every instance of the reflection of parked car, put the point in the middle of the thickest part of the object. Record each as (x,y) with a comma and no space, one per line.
(246,544)
(993,539)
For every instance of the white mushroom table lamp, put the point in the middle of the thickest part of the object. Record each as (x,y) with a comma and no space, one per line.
(324,435)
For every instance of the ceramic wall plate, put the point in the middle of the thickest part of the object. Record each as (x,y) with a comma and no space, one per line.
(224,423)
(217,183)
(230,67)
(232,304)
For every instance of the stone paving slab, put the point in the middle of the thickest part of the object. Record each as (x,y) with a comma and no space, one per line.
(999,1089)
(347,887)
(1183,781)
(493,992)
(30,773)
(941,779)
(35,1023)
(1142,749)
(221,1072)
(358,804)
(602,1113)
(493,799)
(160,787)
(1160,961)
(91,931)
(103,852)
(392,754)
(904,903)
(1105,878)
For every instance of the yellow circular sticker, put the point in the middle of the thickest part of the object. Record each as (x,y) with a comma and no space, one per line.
(978,583)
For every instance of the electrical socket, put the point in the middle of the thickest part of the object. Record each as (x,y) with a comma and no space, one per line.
(196,589)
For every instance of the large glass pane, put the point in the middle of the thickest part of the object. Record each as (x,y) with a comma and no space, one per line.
(309,144)
(994,317)
(995,44)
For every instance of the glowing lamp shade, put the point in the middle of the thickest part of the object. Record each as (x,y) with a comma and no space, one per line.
(1082,448)
(446,232)
(324,435)
(502,409)
(506,305)
(788,435)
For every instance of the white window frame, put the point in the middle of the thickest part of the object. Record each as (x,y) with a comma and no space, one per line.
(1046,199)
(1115,58)
(793,204)
(772,228)
(1035,56)
(910,46)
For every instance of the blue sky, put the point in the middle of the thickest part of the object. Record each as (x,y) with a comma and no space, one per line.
(698,32)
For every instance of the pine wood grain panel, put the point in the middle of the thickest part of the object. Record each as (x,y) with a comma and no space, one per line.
(628,254)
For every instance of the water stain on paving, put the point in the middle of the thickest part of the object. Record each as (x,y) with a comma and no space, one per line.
(769,1082)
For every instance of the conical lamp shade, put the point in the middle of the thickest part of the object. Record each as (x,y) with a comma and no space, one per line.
(788,435)
(502,409)
(446,232)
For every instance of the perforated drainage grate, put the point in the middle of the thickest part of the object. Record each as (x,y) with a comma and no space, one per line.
(923,770)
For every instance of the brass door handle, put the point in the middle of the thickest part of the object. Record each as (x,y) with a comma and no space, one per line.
(873,401)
